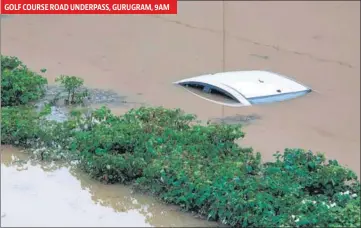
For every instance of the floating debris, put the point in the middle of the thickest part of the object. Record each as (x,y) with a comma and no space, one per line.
(96,96)
(237,119)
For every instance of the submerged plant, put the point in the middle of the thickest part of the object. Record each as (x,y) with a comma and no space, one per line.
(72,86)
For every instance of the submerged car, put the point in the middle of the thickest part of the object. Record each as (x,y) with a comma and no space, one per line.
(245,88)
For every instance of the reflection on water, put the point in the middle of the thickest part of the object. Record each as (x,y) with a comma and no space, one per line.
(34,194)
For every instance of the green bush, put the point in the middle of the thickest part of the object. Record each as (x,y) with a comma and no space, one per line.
(19,85)
(348,215)
(128,141)
(201,169)
(25,127)
(19,126)
(72,86)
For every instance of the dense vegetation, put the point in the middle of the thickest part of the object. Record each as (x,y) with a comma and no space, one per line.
(19,85)
(171,155)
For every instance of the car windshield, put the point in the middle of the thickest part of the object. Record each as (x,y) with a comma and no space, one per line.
(211,93)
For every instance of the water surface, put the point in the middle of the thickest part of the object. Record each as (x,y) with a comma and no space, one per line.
(139,56)
(316,43)
(47,194)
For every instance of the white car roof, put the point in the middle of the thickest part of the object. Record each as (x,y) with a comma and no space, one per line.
(245,85)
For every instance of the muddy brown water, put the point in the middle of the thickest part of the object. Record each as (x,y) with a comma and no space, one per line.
(316,43)
(48,194)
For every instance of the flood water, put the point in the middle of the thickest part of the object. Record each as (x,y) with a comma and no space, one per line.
(316,43)
(40,194)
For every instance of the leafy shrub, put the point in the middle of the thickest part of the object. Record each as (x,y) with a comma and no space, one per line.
(129,140)
(19,126)
(287,192)
(10,63)
(348,215)
(304,186)
(23,126)
(19,85)
(72,85)
(201,169)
